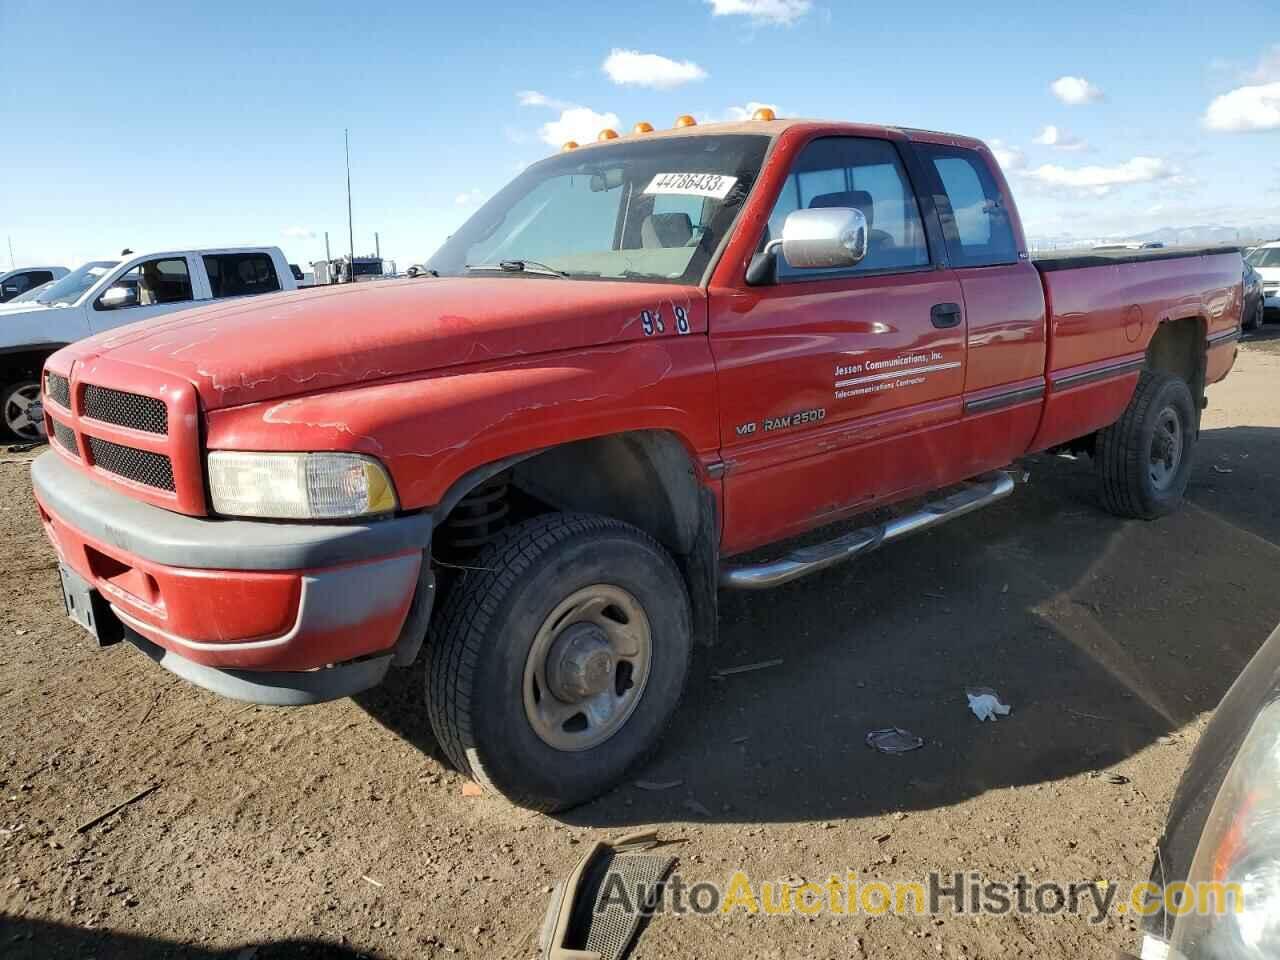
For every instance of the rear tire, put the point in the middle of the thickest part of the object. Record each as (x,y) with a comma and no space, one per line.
(1255,322)
(558,658)
(1144,458)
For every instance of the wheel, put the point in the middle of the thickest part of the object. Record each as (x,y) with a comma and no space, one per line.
(1144,458)
(1258,318)
(16,400)
(558,658)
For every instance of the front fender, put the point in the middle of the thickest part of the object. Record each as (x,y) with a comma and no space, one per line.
(431,429)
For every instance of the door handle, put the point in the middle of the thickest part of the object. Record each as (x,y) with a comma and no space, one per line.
(945,315)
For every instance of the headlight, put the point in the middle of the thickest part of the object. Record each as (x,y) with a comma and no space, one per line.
(1239,852)
(298,486)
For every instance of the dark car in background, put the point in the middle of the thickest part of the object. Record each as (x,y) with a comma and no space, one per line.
(1224,827)
(1254,313)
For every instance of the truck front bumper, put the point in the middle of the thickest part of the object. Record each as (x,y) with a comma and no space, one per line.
(279,613)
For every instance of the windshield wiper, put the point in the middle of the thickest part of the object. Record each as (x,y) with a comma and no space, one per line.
(518,266)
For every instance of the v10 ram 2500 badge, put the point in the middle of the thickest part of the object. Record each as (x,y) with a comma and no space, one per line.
(537,464)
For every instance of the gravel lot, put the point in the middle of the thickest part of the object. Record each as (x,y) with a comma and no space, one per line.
(336,831)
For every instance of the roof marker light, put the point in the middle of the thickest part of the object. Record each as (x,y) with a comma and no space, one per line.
(684,120)
(608,134)
(644,126)
(569,145)
(764,113)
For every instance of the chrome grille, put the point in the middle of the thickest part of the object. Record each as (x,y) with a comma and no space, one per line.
(131,410)
(141,466)
(58,389)
(66,438)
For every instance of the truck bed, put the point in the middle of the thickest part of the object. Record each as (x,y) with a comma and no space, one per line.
(1052,260)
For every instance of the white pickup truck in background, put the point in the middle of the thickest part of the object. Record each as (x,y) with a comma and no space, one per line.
(103,294)
(17,282)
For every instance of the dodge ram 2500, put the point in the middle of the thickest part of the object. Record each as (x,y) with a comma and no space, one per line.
(636,366)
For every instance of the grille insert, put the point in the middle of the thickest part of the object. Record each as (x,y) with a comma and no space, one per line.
(140,466)
(58,389)
(66,438)
(126,409)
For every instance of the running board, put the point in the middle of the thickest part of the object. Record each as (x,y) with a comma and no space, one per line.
(978,493)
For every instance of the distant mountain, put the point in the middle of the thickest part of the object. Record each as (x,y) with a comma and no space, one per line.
(1203,235)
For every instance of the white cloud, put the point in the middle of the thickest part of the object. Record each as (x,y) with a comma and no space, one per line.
(1100,180)
(581,124)
(762,11)
(736,114)
(1009,157)
(577,123)
(471,198)
(298,233)
(1246,109)
(1075,91)
(532,98)
(633,68)
(1058,138)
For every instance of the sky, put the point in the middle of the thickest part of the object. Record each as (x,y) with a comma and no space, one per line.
(190,125)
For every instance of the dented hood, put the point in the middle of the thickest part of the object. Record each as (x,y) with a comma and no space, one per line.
(282,345)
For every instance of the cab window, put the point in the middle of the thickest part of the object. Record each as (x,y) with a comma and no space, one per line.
(861,173)
(977,226)
(240,274)
(151,283)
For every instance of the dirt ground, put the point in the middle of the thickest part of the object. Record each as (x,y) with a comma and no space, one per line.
(336,831)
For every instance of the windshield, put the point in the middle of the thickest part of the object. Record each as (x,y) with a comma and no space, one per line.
(71,287)
(1265,257)
(638,210)
(33,293)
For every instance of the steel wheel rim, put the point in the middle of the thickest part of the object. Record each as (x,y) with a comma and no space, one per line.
(598,630)
(17,412)
(1166,448)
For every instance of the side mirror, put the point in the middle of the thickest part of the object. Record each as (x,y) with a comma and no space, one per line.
(118,297)
(814,239)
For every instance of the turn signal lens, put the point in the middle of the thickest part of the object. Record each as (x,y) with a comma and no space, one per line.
(608,134)
(644,126)
(684,120)
(570,145)
(764,113)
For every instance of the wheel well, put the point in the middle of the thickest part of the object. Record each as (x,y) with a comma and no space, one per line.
(645,478)
(23,363)
(1178,347)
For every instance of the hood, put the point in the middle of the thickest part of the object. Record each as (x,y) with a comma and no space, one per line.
(282,345)
(26,306)
(1269,274)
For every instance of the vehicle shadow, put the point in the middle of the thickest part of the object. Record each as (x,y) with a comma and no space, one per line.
(1102,634)
(26,939)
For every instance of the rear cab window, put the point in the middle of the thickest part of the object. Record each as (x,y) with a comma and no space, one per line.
(975,219)
(240,274)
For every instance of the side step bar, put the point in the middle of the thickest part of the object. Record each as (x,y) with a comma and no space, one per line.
(978,493)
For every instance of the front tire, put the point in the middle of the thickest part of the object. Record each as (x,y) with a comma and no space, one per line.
(17,402)
(1254,323)
(558,659)
(1144,458)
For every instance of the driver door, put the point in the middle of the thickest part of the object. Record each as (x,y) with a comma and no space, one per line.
(837,386)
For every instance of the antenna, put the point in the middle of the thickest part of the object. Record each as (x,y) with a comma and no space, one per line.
(328,260)
(11,264)
(351,233)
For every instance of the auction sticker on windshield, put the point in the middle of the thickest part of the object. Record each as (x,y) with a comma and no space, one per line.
(710,185)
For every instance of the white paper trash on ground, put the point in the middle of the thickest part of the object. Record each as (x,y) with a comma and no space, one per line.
(985,704)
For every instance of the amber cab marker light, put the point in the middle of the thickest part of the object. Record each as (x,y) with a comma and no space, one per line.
(764,113)
(608,134)
(569,145)
(684,120)
(644,126)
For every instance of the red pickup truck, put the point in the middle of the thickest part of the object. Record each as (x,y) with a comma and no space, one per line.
(642,362)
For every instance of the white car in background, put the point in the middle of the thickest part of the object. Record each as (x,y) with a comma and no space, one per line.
(108,293)
(1266,260)
(19,281)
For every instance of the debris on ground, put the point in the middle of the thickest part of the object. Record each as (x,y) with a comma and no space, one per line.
(1218,469)
(1118,779)
(894,740)
(141,794)
(698,808)
(472,789)
(985,703)
(748,668)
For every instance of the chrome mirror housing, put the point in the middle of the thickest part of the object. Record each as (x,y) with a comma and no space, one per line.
(825,237)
